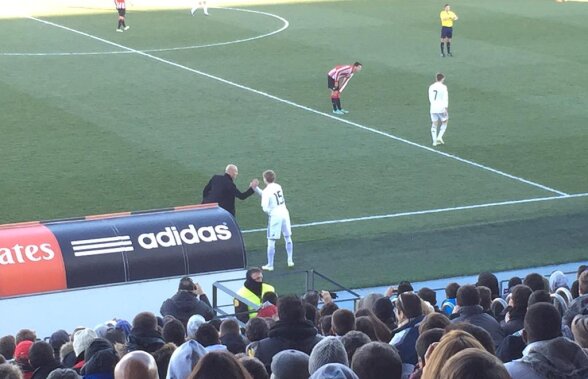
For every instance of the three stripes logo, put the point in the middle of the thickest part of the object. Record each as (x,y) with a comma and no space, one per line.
(98,246)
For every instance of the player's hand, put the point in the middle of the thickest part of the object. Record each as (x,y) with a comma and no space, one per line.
(391,291)
(254,183)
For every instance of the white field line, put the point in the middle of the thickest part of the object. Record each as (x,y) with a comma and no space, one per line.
(265,94)
(427,211)
(285,25)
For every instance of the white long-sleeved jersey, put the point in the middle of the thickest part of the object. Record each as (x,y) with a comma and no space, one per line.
(438,97)
(272,199)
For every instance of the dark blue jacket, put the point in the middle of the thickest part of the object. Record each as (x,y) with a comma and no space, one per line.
(222,190)
(404,339)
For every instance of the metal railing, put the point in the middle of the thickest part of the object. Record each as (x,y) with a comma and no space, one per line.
(221,289)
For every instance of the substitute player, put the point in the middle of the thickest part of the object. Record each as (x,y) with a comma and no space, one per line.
(122,10)
(439,99)
(274,204)
(336,79)
(447,19)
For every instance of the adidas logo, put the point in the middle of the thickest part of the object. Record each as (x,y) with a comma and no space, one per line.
(171,236)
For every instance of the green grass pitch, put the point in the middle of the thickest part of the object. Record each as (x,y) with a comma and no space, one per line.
(125,123)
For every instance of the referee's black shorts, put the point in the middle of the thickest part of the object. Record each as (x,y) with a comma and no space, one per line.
(446,32)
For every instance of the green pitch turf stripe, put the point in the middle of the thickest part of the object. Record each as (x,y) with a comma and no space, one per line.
(472,163)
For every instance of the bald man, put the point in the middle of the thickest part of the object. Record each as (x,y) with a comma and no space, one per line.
(221,189)
(136,365)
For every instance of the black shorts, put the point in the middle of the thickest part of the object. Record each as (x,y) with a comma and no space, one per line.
(446,32)
(121,12)
(330,82)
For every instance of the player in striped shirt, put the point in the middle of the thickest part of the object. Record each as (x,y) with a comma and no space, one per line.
(274,204)
(122,10)
(337,78)
(439,99)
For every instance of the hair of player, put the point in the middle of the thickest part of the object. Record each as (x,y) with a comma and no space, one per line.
(439,76)
(269,176)
(357,64)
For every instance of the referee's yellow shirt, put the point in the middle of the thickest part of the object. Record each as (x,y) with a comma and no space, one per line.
(447,18)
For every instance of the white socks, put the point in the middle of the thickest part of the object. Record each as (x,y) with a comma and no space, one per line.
(289,247)
(442,130)
(434,132)
(271,251)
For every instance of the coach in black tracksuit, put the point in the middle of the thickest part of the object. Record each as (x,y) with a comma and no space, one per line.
(221,189)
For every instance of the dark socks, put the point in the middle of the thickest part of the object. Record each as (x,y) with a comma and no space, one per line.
(334,101)
(448,47)
(120,23)
(442,49)
(338,102)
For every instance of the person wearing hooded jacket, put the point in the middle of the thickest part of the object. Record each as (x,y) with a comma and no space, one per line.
(188,301)
(100,360)
(253,290)
(42,359)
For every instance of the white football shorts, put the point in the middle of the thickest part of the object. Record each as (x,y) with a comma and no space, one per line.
(439,117)
(278,224)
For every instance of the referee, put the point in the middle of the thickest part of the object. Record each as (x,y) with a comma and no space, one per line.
(447,19)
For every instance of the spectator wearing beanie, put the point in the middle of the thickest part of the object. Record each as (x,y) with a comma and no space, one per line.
(7,346)
(21,357)
(580,330)
(334,371)
(472,312)
(144,335)
(100,360)
(409,314)
(174,332)
(290,364)
(42,360)
(377,360)
(328,350)
(579,305)
(291,330)
(230,336)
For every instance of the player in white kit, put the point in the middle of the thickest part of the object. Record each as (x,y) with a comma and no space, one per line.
(274,204)
(439,99)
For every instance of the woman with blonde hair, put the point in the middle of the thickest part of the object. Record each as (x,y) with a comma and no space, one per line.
(474,363)
(450,344)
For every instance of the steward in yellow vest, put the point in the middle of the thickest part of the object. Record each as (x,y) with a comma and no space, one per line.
(253,290)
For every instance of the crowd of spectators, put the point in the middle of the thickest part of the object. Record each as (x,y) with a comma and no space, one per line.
(537,329)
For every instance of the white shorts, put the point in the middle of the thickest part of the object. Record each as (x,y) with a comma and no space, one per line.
(278,224)
(439,117)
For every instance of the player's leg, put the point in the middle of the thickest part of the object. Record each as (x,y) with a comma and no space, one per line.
(205,7)
(449,47)
(442,131)
(274,231)
(434,123)
(287,230)
(121,17)
(195,7)
(271,252)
